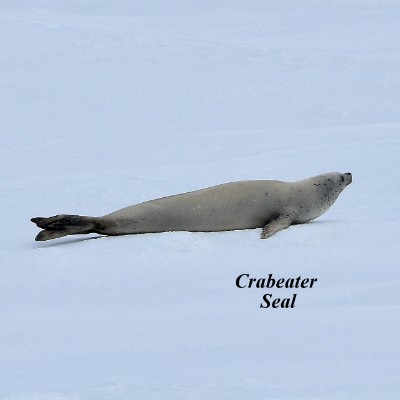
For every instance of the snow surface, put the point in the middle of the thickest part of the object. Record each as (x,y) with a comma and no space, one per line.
(108,103)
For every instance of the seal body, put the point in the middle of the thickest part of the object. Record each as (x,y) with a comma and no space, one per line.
(271,205)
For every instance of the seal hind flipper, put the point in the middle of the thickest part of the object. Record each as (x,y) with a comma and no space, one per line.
(276,225)
(56,220)
(63,225)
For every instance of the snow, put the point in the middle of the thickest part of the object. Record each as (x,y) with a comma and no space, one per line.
(105,104)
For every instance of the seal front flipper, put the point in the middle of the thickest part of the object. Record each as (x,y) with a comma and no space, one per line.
(63,225)
(276,225)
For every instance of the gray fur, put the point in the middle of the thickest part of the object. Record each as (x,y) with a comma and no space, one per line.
(271,205)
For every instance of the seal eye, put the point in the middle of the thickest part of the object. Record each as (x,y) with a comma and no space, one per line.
(341,178)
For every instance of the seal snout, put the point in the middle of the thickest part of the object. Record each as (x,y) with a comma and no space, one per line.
(348,178)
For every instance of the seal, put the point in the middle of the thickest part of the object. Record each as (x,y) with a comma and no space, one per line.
(267,204)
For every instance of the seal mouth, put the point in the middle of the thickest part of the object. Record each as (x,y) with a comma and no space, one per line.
(348,178)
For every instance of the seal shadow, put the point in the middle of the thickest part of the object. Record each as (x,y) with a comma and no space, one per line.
(316,222)
(68,241)
(324,221)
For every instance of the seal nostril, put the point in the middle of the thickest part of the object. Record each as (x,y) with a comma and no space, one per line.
(349,177)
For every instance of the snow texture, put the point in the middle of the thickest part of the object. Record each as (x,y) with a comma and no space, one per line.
(108,103)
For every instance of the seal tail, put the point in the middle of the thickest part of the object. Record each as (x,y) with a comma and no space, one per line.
(63,225)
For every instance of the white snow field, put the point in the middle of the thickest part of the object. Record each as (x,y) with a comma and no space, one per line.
(106,103)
